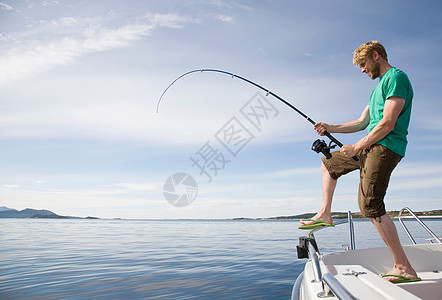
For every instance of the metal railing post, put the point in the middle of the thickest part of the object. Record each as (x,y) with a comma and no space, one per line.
(420,222)
(315,262)
(351,231)
(337,289)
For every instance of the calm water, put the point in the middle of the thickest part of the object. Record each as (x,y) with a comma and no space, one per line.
(145,259)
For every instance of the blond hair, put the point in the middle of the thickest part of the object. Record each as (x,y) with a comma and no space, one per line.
(366,50)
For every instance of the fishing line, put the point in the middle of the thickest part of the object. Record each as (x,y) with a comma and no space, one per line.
(318,145)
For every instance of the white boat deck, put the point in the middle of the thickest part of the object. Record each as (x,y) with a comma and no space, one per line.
(355,274)
(358,271)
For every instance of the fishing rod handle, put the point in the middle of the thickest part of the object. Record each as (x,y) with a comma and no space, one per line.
(333,139)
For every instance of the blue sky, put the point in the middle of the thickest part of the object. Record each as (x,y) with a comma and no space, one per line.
(80,81)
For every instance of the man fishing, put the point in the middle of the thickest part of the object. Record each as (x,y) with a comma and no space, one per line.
(386,119)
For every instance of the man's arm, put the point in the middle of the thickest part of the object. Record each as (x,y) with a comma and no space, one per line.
(392,109)
(353,126)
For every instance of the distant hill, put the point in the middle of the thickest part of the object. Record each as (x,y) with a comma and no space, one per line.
(3,208)
(344,215)
(6,212)
(27,213)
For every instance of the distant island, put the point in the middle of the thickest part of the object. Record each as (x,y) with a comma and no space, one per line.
(6,212)
(357,215)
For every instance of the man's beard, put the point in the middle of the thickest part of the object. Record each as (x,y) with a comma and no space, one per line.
(376,71)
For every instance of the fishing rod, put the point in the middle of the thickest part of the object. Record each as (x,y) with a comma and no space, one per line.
(318,146)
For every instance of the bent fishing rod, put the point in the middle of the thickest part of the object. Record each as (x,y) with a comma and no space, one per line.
(318,146)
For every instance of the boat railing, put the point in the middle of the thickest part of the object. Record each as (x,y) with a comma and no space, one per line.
(351,231)
(336,287)
(420,222)
(315,262)
(329,284)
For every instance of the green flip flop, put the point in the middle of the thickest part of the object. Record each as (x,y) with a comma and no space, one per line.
(403,279)
(315,225)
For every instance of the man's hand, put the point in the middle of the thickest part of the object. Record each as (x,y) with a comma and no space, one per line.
(349,150)
(321,128)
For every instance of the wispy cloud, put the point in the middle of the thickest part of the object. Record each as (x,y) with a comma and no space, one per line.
(225,18)
(84,36)
(137,186)
(9,186)
(5,6)
(229,5)
(170,20)
(418,177)
(47,3)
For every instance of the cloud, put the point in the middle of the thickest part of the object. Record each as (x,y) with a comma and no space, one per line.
(170,20)
(229,5)
(10,186)
(137,186)
(5,6)
(417,177)
(47,3)
(225,18)
(420,170)
(36,55)
(5,37)
(420,184)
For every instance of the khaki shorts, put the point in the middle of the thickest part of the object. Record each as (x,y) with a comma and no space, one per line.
(376,163)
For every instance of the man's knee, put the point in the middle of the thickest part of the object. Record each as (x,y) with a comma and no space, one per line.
(375,219)
(338,165)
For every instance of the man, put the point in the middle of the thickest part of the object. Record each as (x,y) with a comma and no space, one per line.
(386,118)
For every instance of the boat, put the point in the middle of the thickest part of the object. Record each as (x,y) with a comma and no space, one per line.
(355,273)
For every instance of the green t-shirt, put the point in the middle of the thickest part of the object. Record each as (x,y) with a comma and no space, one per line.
(393,83)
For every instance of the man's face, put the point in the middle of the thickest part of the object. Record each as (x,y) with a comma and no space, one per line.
(370,67)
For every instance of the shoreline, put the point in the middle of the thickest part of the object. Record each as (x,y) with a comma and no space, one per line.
(29,213)
(208,219)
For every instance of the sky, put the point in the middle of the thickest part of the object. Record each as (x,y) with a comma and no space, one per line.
(80,81)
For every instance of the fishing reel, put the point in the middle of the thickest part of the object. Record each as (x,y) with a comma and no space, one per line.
(320,146)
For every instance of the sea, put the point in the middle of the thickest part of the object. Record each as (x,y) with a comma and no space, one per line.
(165,259)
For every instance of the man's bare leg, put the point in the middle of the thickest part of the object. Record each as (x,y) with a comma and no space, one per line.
(328,188)
(387,230)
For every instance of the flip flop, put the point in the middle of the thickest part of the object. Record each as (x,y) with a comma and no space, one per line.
(403,279)
(315,225)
